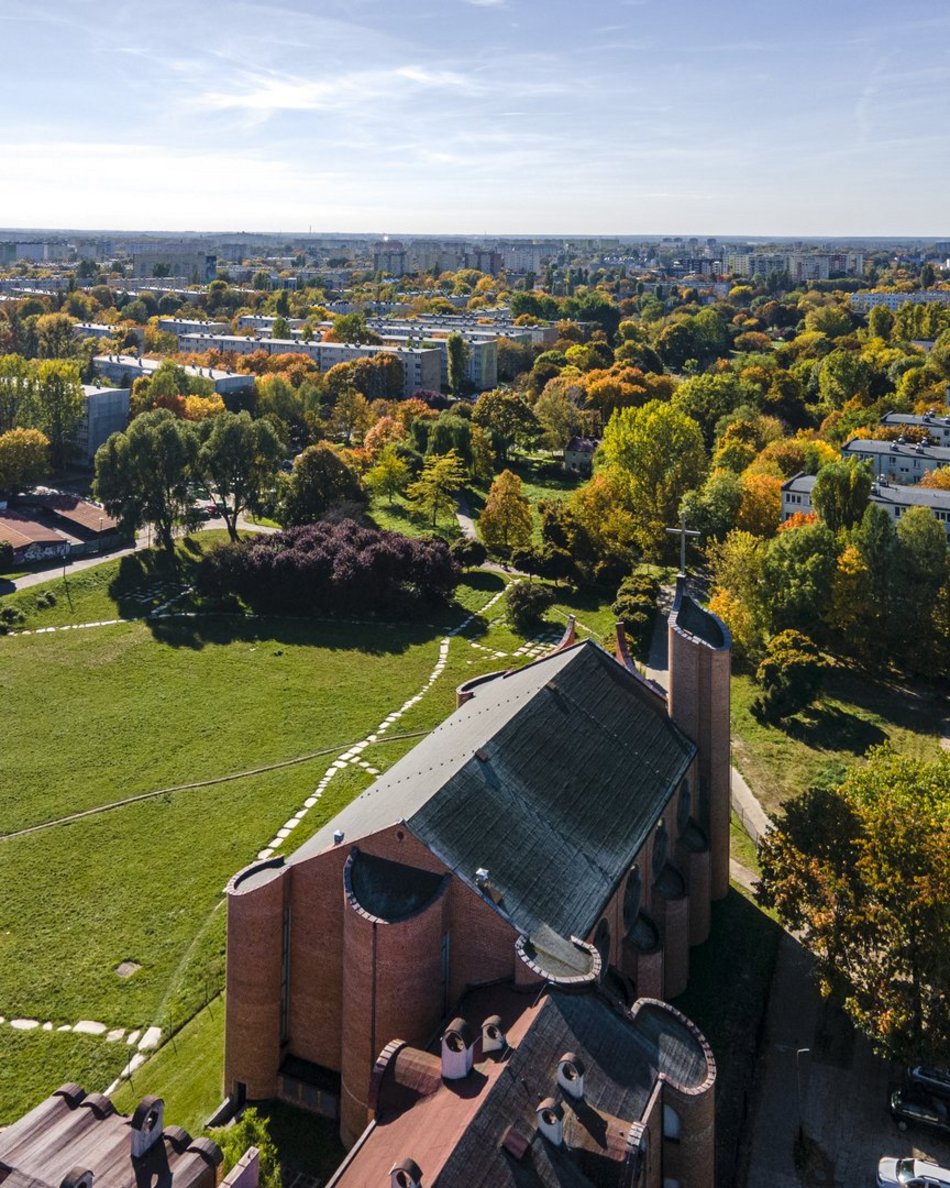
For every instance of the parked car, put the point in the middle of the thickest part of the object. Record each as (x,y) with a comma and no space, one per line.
(933,1080)
(920,1109)
(911,1173)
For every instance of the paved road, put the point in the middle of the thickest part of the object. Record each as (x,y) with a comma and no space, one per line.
(142,541)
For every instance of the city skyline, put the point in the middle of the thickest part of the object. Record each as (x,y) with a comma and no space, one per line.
(477,117)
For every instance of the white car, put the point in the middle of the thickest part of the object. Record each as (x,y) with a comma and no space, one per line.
(911,1173)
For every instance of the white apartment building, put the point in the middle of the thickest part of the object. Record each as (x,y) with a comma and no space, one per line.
(481,368)
(106,411)
(422,367)
(898,462)
(895,498)
(126,369)
(180,326)
(862,302)
(936,427)
(261,322)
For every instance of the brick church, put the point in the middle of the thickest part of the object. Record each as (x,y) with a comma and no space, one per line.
(552,847)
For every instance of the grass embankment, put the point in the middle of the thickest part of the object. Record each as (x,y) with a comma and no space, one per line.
(819,744)
(118,711)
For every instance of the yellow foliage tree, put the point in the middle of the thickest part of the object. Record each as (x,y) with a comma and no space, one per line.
(761,508)
(506,520)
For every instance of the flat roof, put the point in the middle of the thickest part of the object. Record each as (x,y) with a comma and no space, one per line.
(863,445)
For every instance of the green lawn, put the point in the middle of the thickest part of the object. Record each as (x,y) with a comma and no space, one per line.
(187,1072)
(396,517)
(35,1063)
(819,744)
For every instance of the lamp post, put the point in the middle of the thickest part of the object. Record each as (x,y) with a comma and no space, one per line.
(799,1052)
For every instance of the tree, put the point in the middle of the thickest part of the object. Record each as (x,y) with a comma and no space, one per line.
(350,417)
(841,492)
(790,676)
(239,463)
(468,552)
(250,1131)
(797,570)
(508,418)
(57,407)
(506,520)
(17,388)
(54,336)
(657,454)
(760,508)
(280,328)
(434,491)
(458,354)
(832,320)
(880,322)
(351,327)
(738,594)
(143,475)
(525,604)
(712,508)
(938,478)
(320,479)
(24,458)
(706,399)
(557,414)
(861,874)
(390,475)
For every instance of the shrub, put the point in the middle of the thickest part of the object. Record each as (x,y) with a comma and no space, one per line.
(331,569)
(468,553)
(46,599)
(250,1131)
(790,675)
(6,556)
(635,607)
(525,604)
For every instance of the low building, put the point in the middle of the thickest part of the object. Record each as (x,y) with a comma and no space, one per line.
(898,461)
(481,364)
(75,1139)
(561,1089)
(936,427)
(96,330)
(864,301)
(87,522)
(126,369)
(579,455)
(106,411)
(894,498)
(180,326)
(31,541)
(263,323)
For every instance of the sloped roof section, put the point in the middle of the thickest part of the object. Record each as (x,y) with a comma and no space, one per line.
(549,778)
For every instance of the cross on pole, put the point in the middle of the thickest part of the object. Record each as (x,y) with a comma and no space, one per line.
(682,532)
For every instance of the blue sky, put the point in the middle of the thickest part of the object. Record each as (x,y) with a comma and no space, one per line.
(810,117)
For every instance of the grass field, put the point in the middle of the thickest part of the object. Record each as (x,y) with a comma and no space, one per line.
(34,1063)
(819,744)
(397,517)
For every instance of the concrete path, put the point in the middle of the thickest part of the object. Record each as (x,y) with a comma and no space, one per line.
(464,516)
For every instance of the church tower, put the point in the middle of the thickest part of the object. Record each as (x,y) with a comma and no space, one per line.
(700,655)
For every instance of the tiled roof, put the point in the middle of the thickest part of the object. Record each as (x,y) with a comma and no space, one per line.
(21,531)
(550,778)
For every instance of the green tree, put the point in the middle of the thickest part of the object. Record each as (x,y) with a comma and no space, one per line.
(841,492)
(434,491)
(320,480)
(881,322)
(557,414)
(508,418)
(17,390)
(458,353)
(842,376)
(797,571)
(790,676)
(656,453)
(352,327)
(707,399)
(280,328)
(832,320)
(525,604)
(712,508)
(143,475)
(862,875)
(54,336)
(506,521)
(24,458)
(250,1131)
(57,407)
(390,475)
(239,462)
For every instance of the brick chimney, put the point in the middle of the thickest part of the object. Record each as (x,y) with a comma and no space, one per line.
(570,1075)
(493,1038)
(550,1115)
(405,1174)
(458,1050)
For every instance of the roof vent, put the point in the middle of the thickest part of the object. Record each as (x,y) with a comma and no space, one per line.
(338,836)
(148,1123)
(493,1038)
(550,1116)
(481,878)
(405,1174)
(894,447)
(570,1075)
(77,1177)
(458,1050)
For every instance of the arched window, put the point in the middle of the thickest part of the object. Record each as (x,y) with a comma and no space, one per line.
(632,895)
(684,807)
(672,1127)
(602,942)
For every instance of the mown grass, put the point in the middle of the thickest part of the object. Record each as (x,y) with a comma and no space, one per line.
(187,1072)
(818,745)
(35,1063)
(399,517)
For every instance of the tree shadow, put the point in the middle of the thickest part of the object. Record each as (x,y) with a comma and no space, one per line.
(830,728)
(909,705)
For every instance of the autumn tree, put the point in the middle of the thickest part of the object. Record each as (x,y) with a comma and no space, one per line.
(862,875)
(506,520)
(458,352)
(789,676)
(17,385)
(508,418)
(433,493)
(238,461)
(56,408)
(320,480)
(656,453)
(143,475)
(390,474)
(24,458)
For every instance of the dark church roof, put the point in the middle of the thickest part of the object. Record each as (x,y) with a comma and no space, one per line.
(549,778)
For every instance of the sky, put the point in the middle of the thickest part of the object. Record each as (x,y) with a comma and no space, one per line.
(545,117)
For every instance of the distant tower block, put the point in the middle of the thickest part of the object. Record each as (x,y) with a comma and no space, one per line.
(700,659)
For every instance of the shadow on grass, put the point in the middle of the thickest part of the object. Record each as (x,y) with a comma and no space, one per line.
(830,728)
(305,1143)
(911,706)
(727,998)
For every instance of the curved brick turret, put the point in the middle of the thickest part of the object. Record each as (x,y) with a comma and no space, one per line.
(700,661)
